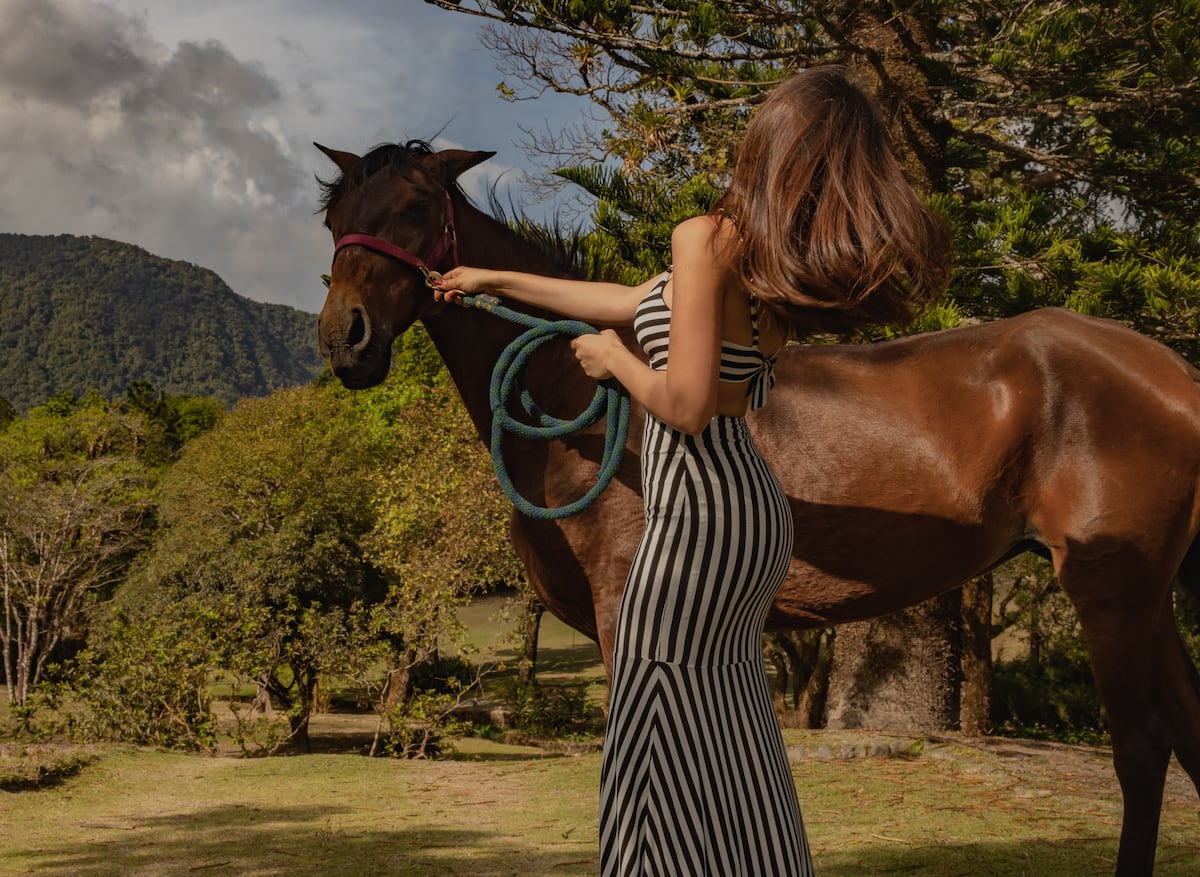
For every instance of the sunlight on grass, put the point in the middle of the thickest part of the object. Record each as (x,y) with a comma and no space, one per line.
(954,811)
(942,808)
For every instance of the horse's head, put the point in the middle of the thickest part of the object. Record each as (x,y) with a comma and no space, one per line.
(391,214)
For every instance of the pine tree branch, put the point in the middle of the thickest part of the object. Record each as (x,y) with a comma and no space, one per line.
(614,41)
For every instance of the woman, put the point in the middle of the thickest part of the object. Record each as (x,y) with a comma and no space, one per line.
(818,230)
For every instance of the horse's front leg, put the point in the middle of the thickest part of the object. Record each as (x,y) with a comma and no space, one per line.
(1123,608)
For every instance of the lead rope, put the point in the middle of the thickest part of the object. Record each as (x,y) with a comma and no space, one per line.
(611,401)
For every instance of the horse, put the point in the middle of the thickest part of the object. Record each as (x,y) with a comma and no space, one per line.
(911,465)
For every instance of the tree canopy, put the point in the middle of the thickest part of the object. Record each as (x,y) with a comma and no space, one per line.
(75,507)
(1060,139)
(262,519)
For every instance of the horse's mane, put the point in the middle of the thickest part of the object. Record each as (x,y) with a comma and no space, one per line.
(563,249)
(404,158)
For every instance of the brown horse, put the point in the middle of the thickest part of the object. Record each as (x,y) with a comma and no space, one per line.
(911,466)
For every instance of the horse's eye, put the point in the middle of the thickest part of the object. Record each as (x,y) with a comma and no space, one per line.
(417,210)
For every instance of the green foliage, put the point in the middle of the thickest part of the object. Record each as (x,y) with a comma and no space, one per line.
(1187,608)
(87,313)
(444,675)
(633,217)
(1054,699)
(144,680)
(179,418)
(1060,141)
(37,766)
(1047,692)
(75,507)
(560,712)
(263,519)
(417,369)
(440,534)
(441,528)
(418,726)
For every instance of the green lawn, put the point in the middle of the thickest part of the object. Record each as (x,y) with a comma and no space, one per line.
(953,811)
(956,808)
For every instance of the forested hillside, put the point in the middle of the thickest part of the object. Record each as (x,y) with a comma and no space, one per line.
(81,313)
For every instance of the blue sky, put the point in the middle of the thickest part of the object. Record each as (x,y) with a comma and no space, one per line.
(185,126)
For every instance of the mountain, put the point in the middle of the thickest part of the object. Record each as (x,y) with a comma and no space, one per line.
(82,313)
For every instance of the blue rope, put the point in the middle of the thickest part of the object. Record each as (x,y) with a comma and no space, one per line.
(610,401)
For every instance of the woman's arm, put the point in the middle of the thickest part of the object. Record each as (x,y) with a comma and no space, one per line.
(610,304)
(685,394)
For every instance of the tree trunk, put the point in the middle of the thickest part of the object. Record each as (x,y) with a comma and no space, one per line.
(975,708)
(899,672)
(802,660)
(812,700)
(785,656)
(891,45)
(530,625)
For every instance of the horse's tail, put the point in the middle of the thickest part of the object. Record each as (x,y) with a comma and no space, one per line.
(1189,570)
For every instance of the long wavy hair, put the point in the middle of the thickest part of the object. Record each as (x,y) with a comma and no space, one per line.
(831,235)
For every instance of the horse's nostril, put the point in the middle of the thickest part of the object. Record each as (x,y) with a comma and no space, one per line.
(358,329)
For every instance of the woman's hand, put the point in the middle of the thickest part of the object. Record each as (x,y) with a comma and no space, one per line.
(463,280)
(594,353)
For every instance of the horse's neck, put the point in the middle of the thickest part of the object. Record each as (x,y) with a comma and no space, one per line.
(469,340)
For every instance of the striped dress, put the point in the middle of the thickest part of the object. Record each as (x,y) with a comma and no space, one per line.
(695,780)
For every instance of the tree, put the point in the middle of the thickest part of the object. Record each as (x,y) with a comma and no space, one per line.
(75,507)
(179,418)
(442,536)
(1062,141)
(265,515)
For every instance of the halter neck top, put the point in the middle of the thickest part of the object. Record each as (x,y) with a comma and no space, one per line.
(739,362)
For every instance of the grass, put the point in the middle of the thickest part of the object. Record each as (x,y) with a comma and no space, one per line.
(959,808)
(939,808)
(564,654)
(33,766)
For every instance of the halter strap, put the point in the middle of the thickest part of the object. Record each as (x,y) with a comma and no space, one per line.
(446,244)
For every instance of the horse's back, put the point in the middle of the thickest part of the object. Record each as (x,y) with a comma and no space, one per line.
(1050,426)
(1022,368)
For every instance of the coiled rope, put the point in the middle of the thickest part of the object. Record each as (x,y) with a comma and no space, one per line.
(610,401)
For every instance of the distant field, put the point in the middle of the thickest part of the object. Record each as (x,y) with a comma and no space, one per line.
(561,650)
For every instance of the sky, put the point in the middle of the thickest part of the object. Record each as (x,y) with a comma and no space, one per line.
(186,126)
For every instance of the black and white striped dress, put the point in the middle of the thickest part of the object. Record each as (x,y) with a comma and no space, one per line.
(695,780)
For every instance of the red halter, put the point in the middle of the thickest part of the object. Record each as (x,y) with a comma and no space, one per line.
(446,244)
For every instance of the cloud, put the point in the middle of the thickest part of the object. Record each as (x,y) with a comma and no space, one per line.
(186,127)
(66,53)
(123,111)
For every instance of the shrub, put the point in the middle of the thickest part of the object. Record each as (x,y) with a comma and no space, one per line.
(418,727)
(1055,699)
(143,682)
(554,711)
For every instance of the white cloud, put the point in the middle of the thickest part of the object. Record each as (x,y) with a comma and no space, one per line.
(186,127)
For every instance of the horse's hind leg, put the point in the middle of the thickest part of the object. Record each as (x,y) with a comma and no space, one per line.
(1180,695)
(1121,608)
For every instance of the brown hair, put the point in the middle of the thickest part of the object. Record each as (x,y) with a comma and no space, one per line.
(831,235)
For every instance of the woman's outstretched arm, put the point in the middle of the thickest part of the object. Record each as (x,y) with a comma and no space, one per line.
(609,304)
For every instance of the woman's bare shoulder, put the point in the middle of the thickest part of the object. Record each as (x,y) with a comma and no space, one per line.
(707,235)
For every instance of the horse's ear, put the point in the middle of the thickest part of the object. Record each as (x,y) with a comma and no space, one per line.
(344,160)
(449,164)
